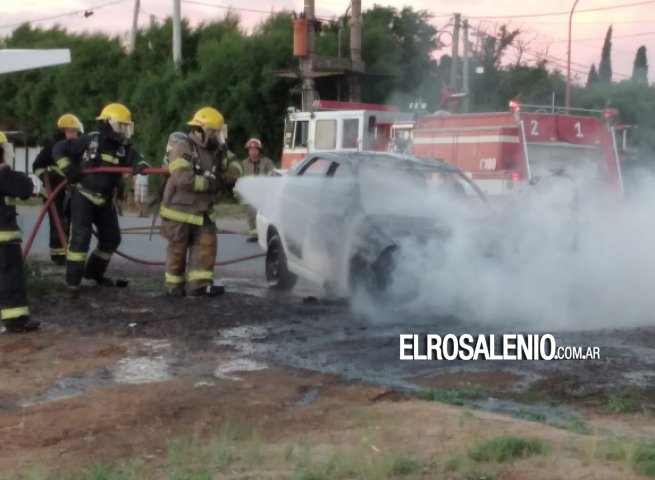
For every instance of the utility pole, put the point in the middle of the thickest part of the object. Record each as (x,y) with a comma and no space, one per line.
(465,67)
(177,34)
(356,50)
(455,53)
(152,20)
(567,94)
(308,60)
(135,22)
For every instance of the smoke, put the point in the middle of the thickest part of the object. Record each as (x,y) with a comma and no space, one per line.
(563,254)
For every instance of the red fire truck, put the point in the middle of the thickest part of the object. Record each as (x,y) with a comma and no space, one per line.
(503,150)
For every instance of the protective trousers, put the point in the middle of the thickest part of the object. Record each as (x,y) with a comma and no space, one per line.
(84,214)
(199,244)
(13,298)
(251,213)
(57,251)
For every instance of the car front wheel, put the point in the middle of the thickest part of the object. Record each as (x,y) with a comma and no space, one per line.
(278,275)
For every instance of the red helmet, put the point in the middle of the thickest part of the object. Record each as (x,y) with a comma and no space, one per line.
(254,142)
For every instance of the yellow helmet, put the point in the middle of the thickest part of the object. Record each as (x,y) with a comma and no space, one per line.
(68,120)
(120,119)
(207,117)
(7,149)
(117,112)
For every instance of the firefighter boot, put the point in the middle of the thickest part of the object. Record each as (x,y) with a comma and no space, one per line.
(208,291)
(96,266)
(59,260)
(21,324)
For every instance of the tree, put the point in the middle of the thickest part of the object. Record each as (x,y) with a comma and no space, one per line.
(605,66)
(640,67)
(592,77)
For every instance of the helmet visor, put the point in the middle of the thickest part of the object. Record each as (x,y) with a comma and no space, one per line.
(124,129)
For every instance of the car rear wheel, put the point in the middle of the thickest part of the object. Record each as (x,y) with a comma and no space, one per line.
(278,275)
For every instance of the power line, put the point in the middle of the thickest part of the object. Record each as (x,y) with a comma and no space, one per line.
(551,14)
(226,7)
(642,34)
(614,22)
(61,15)
(558,62)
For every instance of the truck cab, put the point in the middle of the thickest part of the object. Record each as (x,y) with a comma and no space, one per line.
(338,126)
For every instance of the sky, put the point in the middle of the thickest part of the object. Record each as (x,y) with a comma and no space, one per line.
(544,31)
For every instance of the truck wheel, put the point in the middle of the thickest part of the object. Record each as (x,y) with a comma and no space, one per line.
(278,275)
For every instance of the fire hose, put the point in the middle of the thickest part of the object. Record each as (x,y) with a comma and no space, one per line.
(49,205)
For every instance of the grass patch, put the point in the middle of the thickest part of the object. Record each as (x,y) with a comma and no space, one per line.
(467,469)
(38,283)
(453,396)
(506,448)
(574,425)
(639,457)
(30,202)
(232,210)
(360,463)
(533,416)
(623,402)
(236,452)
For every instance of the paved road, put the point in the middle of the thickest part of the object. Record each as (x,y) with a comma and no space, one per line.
(138,245)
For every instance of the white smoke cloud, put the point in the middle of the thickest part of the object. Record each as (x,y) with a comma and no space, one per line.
(562,255)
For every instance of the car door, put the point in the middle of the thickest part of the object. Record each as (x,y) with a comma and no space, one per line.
(327,229)
(299,204)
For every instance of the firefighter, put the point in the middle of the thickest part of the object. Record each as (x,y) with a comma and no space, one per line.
(199,167)
(92,195)
(13,299)
(254,165)
(68,126)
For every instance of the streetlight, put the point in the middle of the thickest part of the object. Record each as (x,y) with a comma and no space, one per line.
(567,98)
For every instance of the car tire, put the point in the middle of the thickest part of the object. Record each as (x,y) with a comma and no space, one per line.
(278,275)
(362,277)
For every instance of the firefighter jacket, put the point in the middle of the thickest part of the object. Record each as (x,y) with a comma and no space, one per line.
(196,176)
(12,185)
(45,163)
(263,167)
(96,150)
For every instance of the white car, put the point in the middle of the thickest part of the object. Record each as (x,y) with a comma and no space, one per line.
(339,220)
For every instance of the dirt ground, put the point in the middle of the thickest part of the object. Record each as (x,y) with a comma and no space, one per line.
(122,377)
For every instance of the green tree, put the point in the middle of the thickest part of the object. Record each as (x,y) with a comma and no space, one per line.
(397,48)
(592,77)
(605,66)
(489,54)
(640,67)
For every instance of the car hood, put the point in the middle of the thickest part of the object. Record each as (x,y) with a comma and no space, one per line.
(395,229)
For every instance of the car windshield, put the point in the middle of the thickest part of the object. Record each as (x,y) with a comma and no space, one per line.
(414,190)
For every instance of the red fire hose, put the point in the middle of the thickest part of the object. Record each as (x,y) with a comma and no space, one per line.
(52,194)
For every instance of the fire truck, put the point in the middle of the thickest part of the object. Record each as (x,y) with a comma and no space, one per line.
(340,126)
(502,151)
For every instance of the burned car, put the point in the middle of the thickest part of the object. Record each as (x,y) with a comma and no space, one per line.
(342,220)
